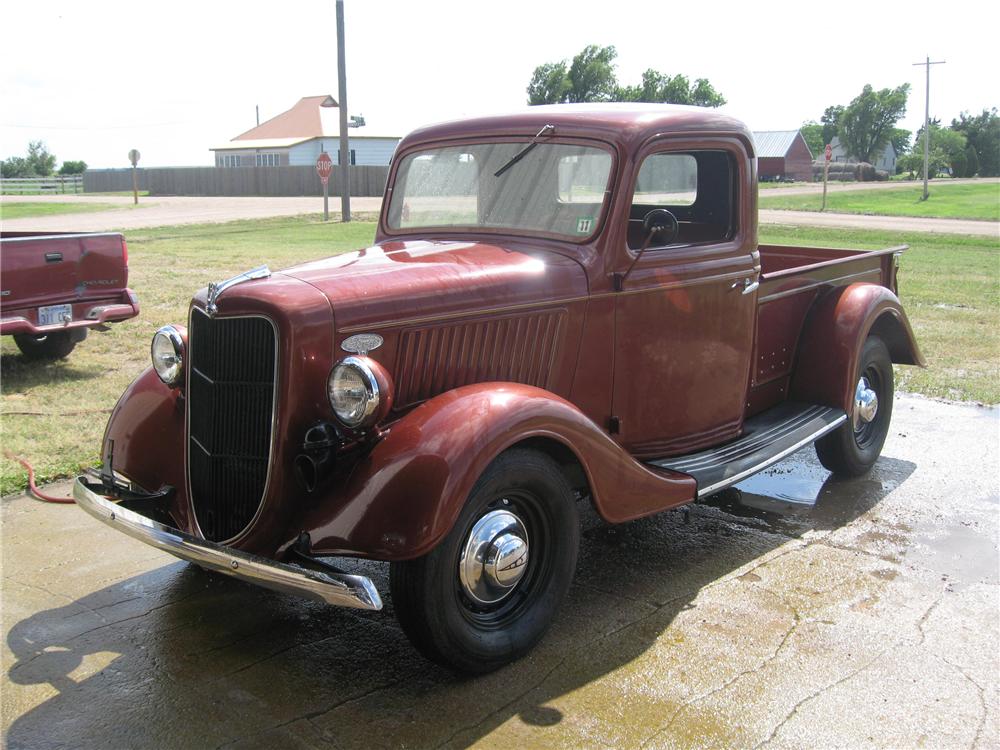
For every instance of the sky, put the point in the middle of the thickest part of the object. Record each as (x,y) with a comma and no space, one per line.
(94,80)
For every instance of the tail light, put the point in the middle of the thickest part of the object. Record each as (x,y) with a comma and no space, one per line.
(124,252)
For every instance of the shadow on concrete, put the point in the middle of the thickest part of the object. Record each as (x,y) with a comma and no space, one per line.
(179,658)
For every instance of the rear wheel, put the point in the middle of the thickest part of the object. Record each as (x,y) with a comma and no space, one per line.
(853,449)
(489,591)
(50,346)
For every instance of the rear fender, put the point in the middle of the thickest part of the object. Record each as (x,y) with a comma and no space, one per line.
(404,497)
(834,334)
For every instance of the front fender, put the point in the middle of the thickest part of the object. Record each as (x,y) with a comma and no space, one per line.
(403,498)
(832,338)
(145,440)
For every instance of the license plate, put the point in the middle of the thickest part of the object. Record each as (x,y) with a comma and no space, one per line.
(55,315)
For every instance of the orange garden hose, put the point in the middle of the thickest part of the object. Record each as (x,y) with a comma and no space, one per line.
(32,488)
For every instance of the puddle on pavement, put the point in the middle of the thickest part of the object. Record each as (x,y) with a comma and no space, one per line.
(962,554)
(798,495)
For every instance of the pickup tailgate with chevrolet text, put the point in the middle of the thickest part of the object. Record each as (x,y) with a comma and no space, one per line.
(57,286)
(567,304)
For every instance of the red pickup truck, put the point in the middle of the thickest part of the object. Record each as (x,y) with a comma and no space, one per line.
(56,286)
(563,305)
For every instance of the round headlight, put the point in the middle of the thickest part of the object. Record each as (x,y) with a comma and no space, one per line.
(167,352)
(354,392)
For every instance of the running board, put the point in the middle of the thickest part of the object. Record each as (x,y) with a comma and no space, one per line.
(767,438)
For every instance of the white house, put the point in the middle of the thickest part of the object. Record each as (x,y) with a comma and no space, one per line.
(886,160)
(298,136)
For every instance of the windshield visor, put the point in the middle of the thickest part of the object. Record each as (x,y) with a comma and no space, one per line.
(554,188)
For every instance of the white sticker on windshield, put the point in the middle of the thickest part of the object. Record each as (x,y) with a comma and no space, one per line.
(585,225)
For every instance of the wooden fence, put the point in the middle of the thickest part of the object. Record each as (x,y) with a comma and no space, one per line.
(41,185)
(234,181)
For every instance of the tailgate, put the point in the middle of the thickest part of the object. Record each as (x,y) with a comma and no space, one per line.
(61,268)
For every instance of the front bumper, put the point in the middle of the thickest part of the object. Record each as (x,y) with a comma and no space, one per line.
(339,589)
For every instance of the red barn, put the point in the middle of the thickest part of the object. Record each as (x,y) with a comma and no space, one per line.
(783,155)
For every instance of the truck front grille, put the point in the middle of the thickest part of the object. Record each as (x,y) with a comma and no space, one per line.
(230,408)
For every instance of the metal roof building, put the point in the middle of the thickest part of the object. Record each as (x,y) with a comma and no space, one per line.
(782,155)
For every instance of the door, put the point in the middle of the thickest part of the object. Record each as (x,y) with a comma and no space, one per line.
(684,312)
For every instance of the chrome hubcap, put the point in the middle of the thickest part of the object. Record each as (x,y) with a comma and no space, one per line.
(865,404)
(494,558)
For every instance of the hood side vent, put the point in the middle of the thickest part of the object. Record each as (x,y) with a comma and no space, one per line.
(517,348)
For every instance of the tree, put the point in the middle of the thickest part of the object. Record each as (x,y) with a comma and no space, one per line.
(866,124)
(900,140)
(812,132)
(983,134)
(831,122)
(971,161)
(73,167)
(947,152)
(591,78)
(549,84)
(16,166)
(41,161)
(592,74)
(660,88)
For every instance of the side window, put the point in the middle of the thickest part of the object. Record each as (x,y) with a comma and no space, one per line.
(698,187)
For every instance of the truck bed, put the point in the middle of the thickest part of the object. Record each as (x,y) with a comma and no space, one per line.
(791,280)
(59,281)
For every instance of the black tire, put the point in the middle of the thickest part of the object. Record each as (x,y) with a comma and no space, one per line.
(431,601)
(51,346)
(850,450)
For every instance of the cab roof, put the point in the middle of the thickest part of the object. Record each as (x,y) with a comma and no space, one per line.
(626,125)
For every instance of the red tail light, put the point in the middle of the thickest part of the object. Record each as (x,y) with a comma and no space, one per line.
(124,252)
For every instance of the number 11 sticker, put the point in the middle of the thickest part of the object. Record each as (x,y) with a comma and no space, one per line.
(585,225)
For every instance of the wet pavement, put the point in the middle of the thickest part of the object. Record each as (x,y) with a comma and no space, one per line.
(797,611)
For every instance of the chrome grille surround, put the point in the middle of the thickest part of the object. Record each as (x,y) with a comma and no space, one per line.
(231,407)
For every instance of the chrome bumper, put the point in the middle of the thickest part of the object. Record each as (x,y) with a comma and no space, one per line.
(333,588)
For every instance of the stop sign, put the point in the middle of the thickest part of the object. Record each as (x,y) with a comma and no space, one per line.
(324,166)
(829,152)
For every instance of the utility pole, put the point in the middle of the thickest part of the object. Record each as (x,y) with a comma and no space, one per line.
(927,119)
(345,153)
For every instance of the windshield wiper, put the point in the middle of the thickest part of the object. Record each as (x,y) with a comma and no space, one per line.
(524,151)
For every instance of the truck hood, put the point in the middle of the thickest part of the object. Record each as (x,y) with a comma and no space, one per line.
(399,282)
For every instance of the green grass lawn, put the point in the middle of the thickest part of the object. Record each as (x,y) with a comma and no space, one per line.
(54,414)
(947,201)
(29,209)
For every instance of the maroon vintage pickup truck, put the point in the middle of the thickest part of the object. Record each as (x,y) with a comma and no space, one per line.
(56,286)
(563,305)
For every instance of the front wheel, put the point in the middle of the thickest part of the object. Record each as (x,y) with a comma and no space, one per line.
(489,591)
(852,449)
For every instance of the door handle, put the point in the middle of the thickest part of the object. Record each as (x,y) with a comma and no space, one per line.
(748,286)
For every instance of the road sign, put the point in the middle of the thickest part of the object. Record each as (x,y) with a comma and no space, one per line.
(829,152)
(133,156)
(324,167)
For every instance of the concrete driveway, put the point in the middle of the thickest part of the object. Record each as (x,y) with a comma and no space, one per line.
(170,210)
(799,612)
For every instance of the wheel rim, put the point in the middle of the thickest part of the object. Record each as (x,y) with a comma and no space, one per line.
(866,411)
(494,558)
(503,560)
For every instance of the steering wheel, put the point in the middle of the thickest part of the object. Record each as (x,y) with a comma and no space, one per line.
(661,222)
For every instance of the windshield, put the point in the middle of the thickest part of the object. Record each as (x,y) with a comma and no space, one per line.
(554,188)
